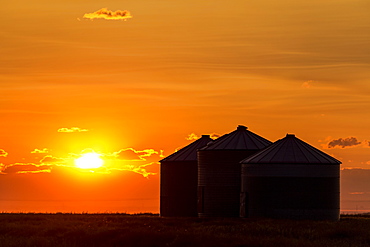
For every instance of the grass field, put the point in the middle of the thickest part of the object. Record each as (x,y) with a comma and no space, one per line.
(150,230)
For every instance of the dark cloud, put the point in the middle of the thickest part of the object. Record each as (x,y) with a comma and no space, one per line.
(344,142)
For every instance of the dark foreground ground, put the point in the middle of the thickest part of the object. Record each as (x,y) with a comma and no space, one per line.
(150,230)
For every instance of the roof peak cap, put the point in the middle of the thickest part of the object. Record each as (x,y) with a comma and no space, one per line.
(242,127)
(205,136)
(290,135)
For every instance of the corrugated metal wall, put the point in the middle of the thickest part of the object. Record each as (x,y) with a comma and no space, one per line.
(291,191)
(179,181)
(178,189)
(219,182)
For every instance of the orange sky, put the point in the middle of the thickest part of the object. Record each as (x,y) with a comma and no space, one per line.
(137,87)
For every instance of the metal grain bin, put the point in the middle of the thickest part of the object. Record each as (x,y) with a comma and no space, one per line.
(179,181)
(219,172)
(291,179)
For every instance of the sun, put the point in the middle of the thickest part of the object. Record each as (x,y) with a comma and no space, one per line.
(89,161)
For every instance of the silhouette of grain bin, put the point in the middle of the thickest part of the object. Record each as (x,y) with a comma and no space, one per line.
(291,179)
(179,181)
(219,172)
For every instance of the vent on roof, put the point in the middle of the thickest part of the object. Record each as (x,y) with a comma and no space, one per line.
(242,127)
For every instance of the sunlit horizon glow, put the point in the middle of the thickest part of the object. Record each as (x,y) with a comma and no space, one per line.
(89,161)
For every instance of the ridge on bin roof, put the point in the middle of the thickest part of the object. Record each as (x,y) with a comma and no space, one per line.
(290,150)
(189,153)
(239,139)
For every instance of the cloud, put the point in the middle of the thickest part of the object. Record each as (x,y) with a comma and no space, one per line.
(38,151)
(344,143)
(49,159)
(143,171)
(23,168)
(214,136)
(72,130)
(106,14)
(357,193)
(130,154)
(37,171)
(307,84)
(140,169)
(3,153)
(144,162)
(192,137)
(2,168)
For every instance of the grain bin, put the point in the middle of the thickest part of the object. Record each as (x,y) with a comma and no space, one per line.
(219,172)
(179,181)
(291,179)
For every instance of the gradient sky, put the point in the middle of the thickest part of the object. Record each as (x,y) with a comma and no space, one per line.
(134,89)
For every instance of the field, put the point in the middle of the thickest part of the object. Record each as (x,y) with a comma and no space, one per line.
(150,230)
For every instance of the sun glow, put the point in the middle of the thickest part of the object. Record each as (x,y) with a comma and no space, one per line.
(89,161)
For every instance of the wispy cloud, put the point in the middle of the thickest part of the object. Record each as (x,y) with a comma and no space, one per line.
(106,14)
(40,151)
(33,172)
(130,154)
(307,84)
(23,168)
(49,159)
(3,153)
(143,162)
(2,168)
(72,130)
(140,169)
(344,142)
(357,193)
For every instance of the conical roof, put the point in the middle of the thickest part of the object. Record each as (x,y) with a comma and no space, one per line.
(290,150)
(239,139)
(189,153)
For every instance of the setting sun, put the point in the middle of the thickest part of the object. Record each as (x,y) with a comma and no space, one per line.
(89,161)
